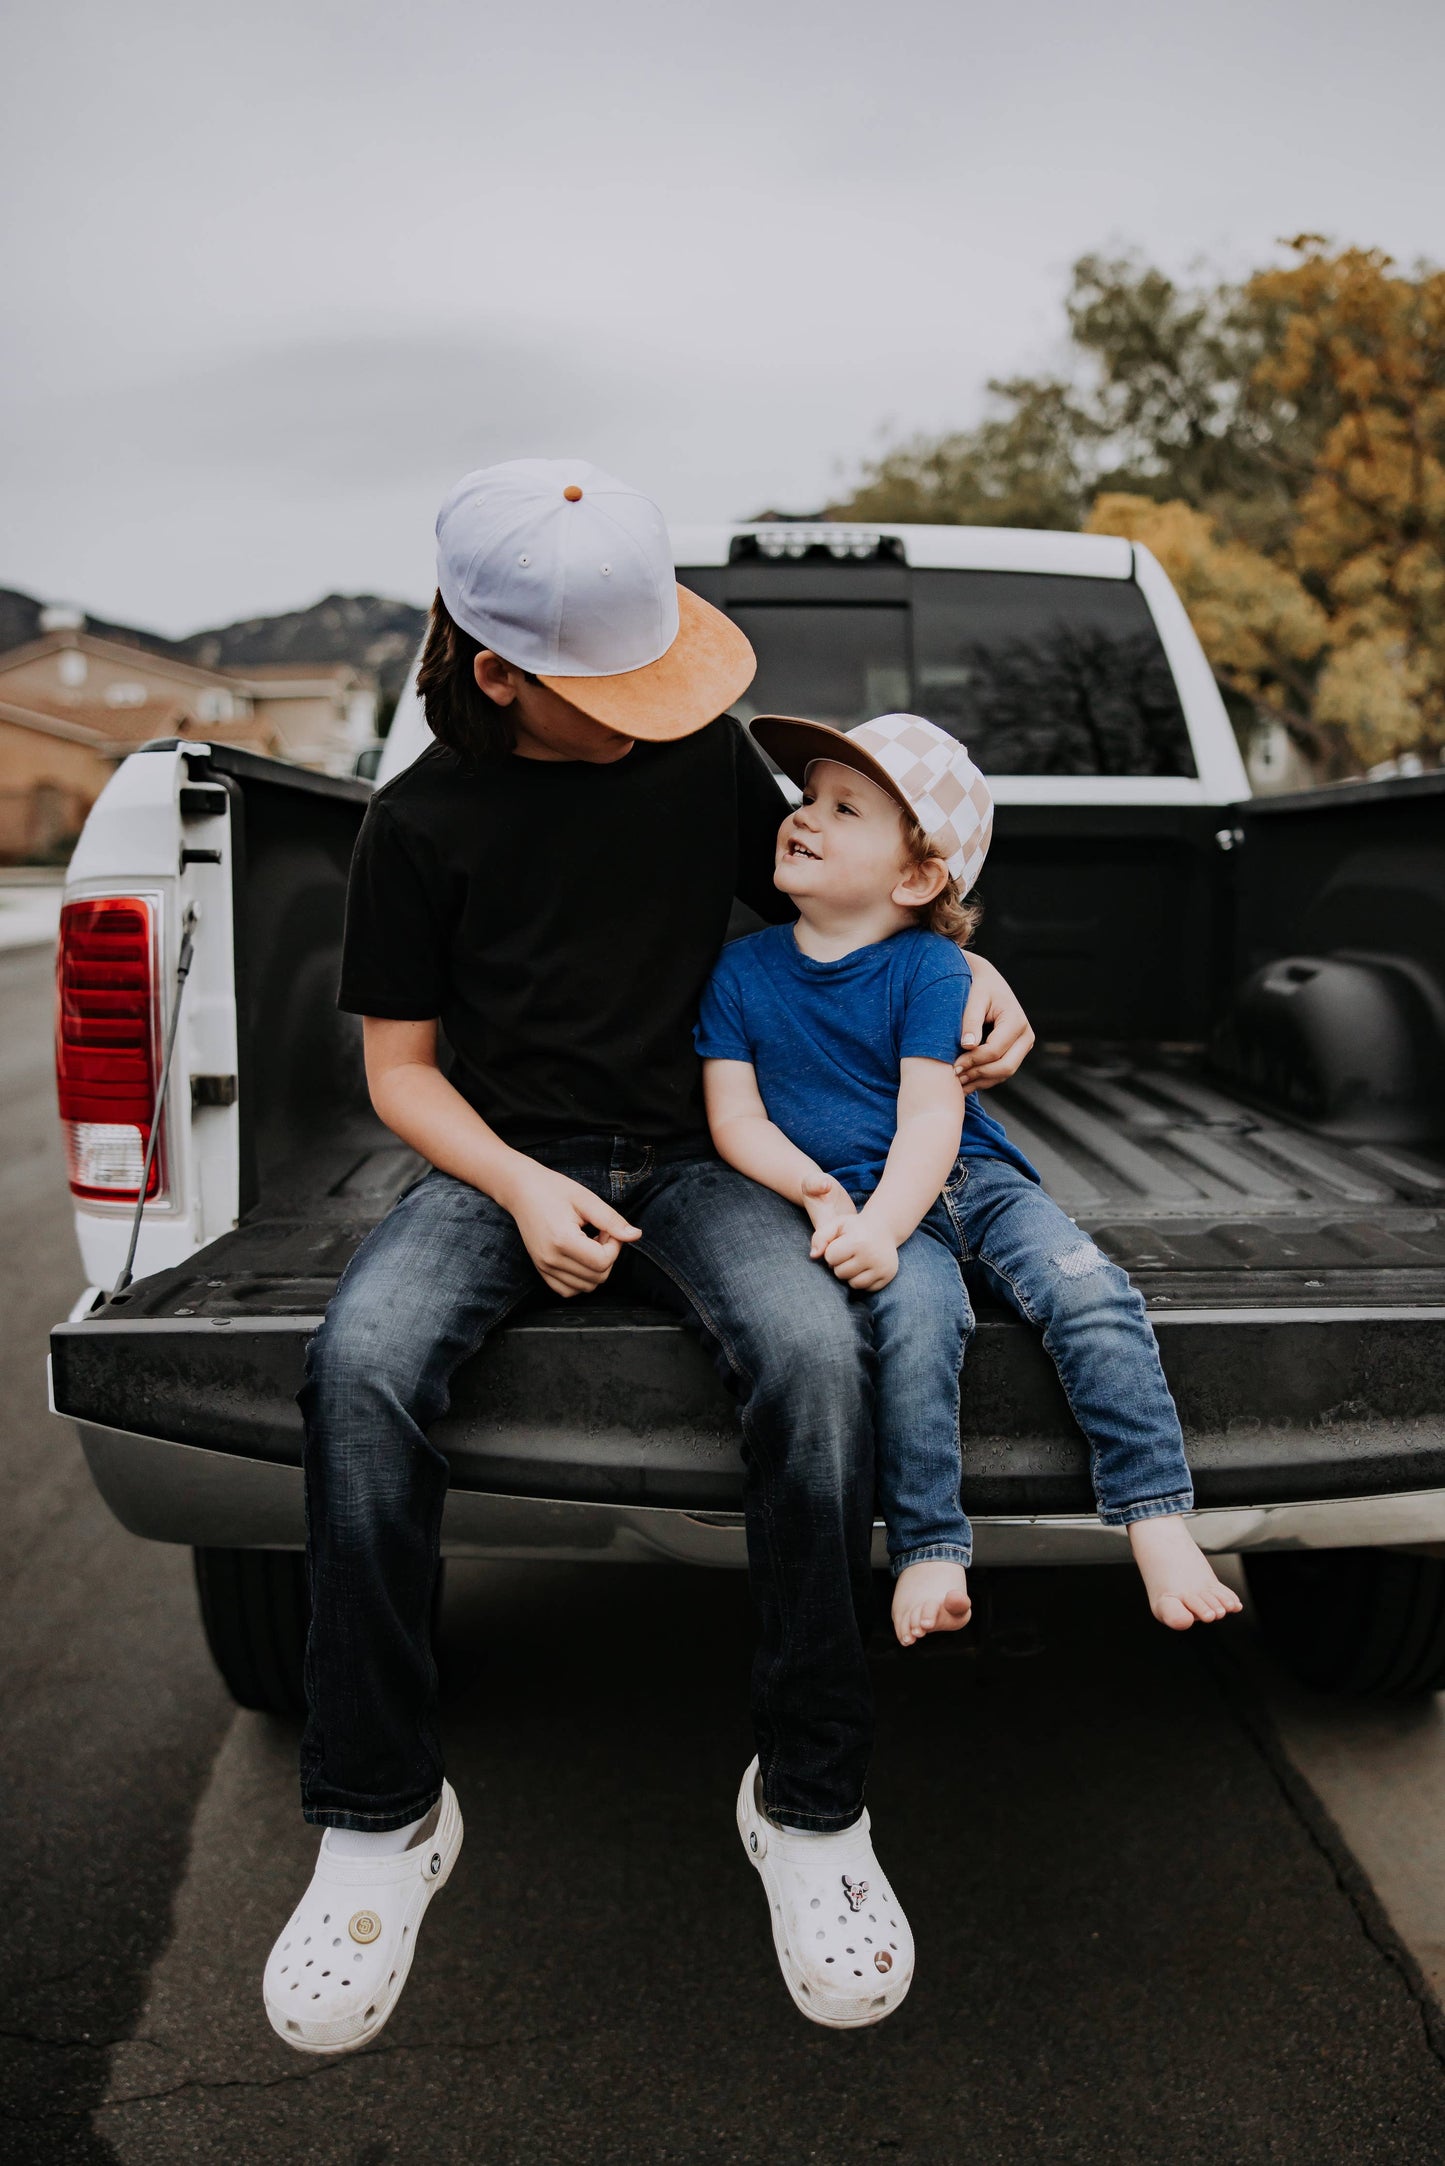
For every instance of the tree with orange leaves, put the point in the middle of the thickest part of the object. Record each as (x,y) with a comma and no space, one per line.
(1362,346)
(1281,447)
(1263,632)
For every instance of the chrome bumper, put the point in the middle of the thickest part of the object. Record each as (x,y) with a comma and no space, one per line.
(214,1500)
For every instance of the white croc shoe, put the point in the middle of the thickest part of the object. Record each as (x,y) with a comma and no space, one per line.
(843,1943)
(337,1971)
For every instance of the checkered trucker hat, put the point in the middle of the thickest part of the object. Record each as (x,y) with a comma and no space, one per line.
(928,772)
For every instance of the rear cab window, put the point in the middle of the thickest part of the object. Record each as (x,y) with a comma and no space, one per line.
(1038,673)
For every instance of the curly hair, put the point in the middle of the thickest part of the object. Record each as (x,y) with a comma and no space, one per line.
(458,712)
(956,915)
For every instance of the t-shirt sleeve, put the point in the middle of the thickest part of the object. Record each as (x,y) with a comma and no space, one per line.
(762,808)
(933,1014)
(394,950)
(720,1032)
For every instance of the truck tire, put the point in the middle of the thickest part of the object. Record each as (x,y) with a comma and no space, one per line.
(1369,1622)
(255,1610)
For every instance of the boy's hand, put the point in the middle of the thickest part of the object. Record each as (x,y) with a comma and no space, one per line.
(829,1206)
(862,1255)
(553,1216)
(992,1007)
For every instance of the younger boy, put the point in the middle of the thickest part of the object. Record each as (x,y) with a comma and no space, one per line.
(828,1049)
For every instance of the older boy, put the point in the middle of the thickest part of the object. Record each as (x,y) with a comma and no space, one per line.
(550,883)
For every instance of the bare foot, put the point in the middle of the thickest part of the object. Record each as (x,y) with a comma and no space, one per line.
(1177,1575)
(931,1597)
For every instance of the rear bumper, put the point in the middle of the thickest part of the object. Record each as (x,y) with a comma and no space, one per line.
(171,1492)
(620,1407)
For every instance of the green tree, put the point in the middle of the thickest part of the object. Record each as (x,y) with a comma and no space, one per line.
(1156,403)
(1263,632)
(1028,464)
(1280,443)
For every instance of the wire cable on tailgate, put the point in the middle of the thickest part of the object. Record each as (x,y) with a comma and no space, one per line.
(189,923)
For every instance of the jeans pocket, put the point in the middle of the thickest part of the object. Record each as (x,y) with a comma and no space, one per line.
(954,1185)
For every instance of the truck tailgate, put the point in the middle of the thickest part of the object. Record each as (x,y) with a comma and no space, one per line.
(1297,1285)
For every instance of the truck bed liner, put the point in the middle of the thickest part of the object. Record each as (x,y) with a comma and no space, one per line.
(1297,1283)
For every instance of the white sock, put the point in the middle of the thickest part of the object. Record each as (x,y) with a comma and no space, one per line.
(353,1843)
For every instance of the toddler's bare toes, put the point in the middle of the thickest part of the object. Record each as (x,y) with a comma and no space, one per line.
(930,1596)
(1172,1612)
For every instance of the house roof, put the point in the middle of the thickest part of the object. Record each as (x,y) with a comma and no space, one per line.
(274,678)
(117,729)
(140,661)
(267,680)
(52,726)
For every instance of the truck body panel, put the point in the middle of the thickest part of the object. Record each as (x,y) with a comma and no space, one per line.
(1241,1009)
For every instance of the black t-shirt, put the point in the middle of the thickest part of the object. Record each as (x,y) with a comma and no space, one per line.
(560,918)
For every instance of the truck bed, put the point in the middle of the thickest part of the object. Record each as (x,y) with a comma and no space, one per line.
(1297,1284)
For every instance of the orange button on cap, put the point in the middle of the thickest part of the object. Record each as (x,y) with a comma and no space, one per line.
(572,493)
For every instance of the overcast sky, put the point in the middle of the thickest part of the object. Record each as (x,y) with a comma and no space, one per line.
(275,273)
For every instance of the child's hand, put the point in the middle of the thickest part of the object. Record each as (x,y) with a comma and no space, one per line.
(829,1206)
(862,1255)
(554,1215)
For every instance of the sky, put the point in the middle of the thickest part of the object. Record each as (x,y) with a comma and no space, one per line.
(275,274)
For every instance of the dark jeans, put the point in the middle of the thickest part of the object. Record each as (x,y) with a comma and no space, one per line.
(440,1271)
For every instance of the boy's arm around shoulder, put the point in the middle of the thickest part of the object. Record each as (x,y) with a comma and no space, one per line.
(997,1037)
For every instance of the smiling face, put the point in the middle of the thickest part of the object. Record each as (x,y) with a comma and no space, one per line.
(842,849)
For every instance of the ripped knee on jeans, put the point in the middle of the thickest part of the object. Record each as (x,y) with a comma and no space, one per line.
(1080,1260)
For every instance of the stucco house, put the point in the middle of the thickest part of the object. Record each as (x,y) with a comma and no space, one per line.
(72,704)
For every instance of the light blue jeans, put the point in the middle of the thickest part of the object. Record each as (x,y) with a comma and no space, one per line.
(995,1227)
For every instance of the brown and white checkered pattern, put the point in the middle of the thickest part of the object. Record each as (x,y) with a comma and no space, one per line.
(950,799)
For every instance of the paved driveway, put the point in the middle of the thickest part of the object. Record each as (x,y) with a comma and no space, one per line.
(1142,1936)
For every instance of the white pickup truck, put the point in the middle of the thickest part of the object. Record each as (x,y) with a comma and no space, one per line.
(1239,1091)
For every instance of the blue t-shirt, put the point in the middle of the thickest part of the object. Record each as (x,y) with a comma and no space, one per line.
(826,1039)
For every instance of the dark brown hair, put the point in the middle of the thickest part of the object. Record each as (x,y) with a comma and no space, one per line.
(956,915)
(458,712)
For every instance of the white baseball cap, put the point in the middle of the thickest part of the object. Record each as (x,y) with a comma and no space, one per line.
(920,766)
(567,573)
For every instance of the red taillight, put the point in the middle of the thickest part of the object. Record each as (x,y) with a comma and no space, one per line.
(106,1032)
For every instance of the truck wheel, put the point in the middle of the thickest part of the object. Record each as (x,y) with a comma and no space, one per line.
(1365,1621)
(255,1609)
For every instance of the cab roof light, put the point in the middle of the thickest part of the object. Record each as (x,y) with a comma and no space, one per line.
(781,539)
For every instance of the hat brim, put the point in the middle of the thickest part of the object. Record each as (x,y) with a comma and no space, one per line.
(709,665)
(795,744)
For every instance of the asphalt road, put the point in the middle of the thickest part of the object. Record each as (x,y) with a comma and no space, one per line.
(1140,1937)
